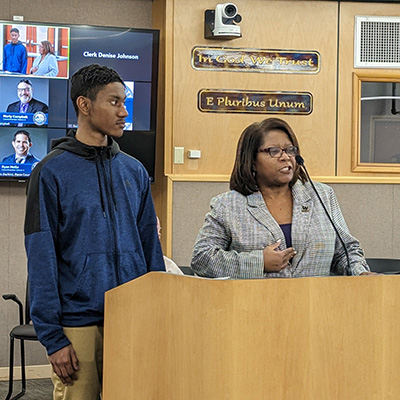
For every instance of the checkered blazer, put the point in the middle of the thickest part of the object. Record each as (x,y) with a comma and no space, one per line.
(238,228)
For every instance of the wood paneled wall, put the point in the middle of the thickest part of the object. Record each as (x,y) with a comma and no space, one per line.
(279,25)
(348,11)
(325,135)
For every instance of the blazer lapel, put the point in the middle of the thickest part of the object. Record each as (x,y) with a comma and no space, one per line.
(302,218)
(30,106)
(259,210)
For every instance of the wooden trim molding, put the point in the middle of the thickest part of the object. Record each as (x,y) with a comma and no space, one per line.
(356,163)
(32,372)
(325,179)
(198,178)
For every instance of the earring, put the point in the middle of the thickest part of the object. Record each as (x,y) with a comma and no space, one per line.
(254,174)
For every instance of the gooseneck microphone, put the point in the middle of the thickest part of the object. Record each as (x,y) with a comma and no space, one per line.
(300,161)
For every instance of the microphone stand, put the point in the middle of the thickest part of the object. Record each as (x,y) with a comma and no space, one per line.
(300,161)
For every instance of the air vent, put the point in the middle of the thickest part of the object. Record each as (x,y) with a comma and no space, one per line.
(377,42)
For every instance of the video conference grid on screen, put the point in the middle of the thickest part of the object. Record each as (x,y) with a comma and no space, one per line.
(34,102)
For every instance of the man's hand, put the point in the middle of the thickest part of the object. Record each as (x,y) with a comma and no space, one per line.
(65,364)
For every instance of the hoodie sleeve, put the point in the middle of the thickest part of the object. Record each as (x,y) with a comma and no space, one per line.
(41,221)
(24,60)
(147,226)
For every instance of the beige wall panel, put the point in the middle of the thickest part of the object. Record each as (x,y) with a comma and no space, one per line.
(35,352)
(4,231)
(191,202)
(5,311)
(17,261)
(395,222)
(13,269)
(375,221)
(370,221)
(348,11)
(282,25)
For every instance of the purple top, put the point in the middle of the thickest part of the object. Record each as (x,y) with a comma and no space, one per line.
(287,231)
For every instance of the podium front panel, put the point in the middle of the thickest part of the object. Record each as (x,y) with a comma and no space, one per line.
(170,337)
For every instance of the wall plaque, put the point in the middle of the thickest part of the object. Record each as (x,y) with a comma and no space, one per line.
(254,102)
(255,60)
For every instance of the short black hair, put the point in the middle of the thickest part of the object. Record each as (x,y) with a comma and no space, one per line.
(243,179)
(22,132)
(89,80)
(27,81)
(14,30)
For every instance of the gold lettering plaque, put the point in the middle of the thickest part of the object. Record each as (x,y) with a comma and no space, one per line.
(254,102)
(255,60)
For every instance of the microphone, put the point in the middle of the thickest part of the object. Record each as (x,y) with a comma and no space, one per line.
(300,161)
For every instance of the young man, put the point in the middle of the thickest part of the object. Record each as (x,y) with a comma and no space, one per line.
(90,226)
(15,54)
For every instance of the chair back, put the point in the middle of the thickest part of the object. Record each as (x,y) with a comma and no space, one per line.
(187,270)
(384,265)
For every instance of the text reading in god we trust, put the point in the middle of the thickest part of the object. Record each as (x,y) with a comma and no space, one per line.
(255,60)
(99,54)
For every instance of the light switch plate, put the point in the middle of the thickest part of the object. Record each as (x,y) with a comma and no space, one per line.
(179,154)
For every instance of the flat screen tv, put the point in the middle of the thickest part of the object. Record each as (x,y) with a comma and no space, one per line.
(35,107)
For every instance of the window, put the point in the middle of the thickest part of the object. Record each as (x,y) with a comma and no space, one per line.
(376,123)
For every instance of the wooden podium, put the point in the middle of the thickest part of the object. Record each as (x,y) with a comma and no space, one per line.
(185,338)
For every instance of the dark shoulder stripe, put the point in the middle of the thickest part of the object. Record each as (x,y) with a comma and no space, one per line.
(32,212)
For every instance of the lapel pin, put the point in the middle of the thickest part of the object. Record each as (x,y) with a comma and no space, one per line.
(304,209)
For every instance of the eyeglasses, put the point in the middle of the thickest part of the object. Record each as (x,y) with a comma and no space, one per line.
(276,152)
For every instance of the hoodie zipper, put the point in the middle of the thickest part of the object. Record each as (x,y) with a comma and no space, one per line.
(110,208)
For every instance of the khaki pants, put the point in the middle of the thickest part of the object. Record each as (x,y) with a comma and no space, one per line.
(88,344)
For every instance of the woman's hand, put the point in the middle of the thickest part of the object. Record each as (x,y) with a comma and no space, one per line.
(274,259)
(34,69)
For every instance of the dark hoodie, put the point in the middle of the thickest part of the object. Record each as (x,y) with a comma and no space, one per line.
(90,225)
(15,58)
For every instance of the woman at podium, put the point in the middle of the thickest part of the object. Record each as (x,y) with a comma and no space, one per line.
(274,222)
